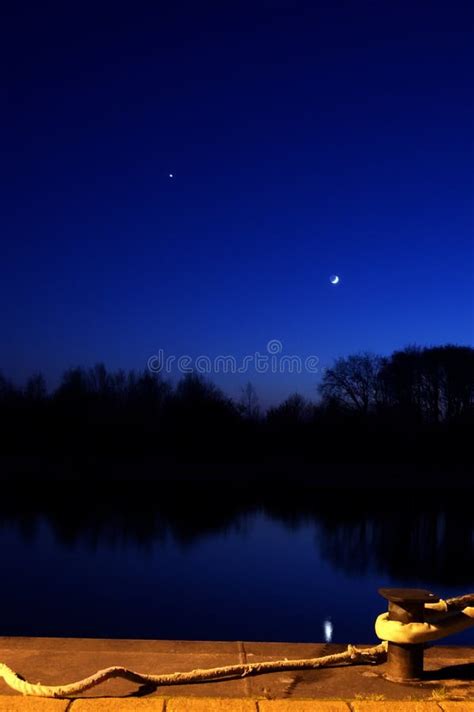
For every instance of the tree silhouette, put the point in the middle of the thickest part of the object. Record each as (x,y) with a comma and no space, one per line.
(431,384)
(35,389)
(293,412)
(354,382)
(416,405)
(249,406)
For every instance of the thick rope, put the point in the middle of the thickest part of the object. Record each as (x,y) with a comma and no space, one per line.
(374,655)
(443,618)
(458,603)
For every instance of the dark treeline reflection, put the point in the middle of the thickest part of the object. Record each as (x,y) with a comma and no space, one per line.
(409,536)
(415,405)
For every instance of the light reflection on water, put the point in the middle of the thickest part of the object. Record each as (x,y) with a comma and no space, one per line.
(328,630)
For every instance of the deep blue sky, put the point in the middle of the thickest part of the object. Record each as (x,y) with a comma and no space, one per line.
(305,139)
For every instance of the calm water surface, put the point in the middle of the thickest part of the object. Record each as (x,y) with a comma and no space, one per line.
(273,573)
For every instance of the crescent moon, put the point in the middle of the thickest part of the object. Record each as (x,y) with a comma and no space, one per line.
(334,279)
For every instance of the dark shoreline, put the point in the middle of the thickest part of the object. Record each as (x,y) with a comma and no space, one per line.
(273,471)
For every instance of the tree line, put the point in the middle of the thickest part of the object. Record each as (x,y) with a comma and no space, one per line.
(416,403)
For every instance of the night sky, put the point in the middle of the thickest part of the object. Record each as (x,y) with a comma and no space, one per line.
(305,139)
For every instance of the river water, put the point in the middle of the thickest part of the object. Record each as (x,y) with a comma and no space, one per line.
(271,571)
